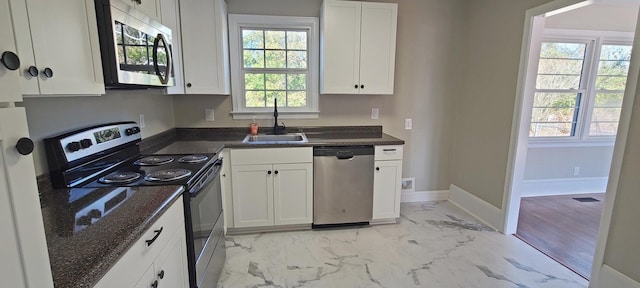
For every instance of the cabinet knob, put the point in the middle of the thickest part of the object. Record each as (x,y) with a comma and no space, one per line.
(188,85)
(24,146)
(276,172)
(48,73)
(269,172)
(377,168)
(154,284)
(10,60)
(161,274)
(33,71)
(356,86)
(361,86)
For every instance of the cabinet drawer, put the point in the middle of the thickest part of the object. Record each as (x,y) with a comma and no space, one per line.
(140,256)
(388,152)
(271,155)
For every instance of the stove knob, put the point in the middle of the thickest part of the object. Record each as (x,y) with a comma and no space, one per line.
(136,130)
(84,220)
(74,146)
(95,213)
(85,143)
(128,132)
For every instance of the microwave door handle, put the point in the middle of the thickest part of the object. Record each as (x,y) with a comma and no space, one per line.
(156,44)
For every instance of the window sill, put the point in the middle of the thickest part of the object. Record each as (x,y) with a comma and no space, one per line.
(557,143)
(241,115)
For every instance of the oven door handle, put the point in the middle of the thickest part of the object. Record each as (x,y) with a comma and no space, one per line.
(207,178)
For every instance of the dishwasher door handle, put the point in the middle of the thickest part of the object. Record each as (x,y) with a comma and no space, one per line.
(344,155)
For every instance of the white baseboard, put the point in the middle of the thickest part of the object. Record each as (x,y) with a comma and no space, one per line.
(421,196)
(478,208)
(610,277)
(563,186)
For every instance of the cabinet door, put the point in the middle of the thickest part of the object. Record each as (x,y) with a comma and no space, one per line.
(386,189)
(227,190)
(145,281)
(21,211)
(252,195)
(340,47)
(293,193)
(8,78)
(205,48)
(65,39)
(378,42)
(171,265)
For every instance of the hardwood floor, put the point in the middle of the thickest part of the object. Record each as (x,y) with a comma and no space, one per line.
(563,228)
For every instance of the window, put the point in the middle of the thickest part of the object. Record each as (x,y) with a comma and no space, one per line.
(273,59)
(579,88)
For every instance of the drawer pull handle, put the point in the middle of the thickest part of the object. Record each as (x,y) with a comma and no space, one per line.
(161,274)
(149,242)
(154,284)
(389,150)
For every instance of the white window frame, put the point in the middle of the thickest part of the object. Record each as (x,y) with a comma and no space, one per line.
(237,22)
(596,39)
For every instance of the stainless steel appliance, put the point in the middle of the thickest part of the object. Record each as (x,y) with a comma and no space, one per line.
(108,156)
(136,50)
(342,185)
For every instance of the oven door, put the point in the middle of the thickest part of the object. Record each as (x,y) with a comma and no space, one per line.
(205,228)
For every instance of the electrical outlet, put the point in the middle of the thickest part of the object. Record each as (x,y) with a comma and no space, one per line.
(208,115)
(408,124)
(576,171)
(141,123)
(375,113)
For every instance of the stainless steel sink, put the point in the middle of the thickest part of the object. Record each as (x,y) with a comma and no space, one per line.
(289,138)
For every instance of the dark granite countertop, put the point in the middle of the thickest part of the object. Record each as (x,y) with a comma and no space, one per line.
(213,140)
(80,257)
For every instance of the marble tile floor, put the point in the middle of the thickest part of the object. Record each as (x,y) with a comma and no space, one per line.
(435,244)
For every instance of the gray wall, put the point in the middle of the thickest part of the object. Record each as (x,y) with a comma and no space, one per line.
(426,53)
(50,116)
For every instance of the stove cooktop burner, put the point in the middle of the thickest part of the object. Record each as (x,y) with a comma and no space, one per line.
(193,158)
(120,177)
(153,160)
(167,175)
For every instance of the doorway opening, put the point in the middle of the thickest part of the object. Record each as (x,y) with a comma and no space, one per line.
(576,71)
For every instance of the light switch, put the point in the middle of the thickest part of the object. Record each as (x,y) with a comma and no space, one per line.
(374,113)
(208,115)
(407,124)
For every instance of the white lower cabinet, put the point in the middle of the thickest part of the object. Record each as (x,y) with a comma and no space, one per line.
(272,186)
(159,263)
(386,182)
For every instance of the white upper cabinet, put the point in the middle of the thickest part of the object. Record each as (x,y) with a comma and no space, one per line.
(150,8)
(58,45)
(170,12)
(358,47)
(9,65)
(205,47)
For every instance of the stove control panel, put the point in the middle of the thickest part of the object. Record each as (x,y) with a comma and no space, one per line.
(94,140)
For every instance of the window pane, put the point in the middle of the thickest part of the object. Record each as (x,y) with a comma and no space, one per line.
(603,128)
(276,59)
(611,82)
(606,114)
(252,39)
(255,99)
(253,81)
(296,82)
(558,82)
(552,115)
(563,50)
(297,40)
(615,52)
(276,81)
(616,68)
(297,59)
(274,39)
(560,66)
(609,100)
(253,59)
(281,95)
(555,100)
(550,129)
(296,99)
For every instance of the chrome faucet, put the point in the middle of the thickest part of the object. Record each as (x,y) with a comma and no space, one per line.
(277,129)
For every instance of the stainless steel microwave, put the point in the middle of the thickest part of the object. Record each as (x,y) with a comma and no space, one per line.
(136,50)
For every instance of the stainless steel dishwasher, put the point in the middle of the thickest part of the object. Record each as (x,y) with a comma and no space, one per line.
(342,185)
